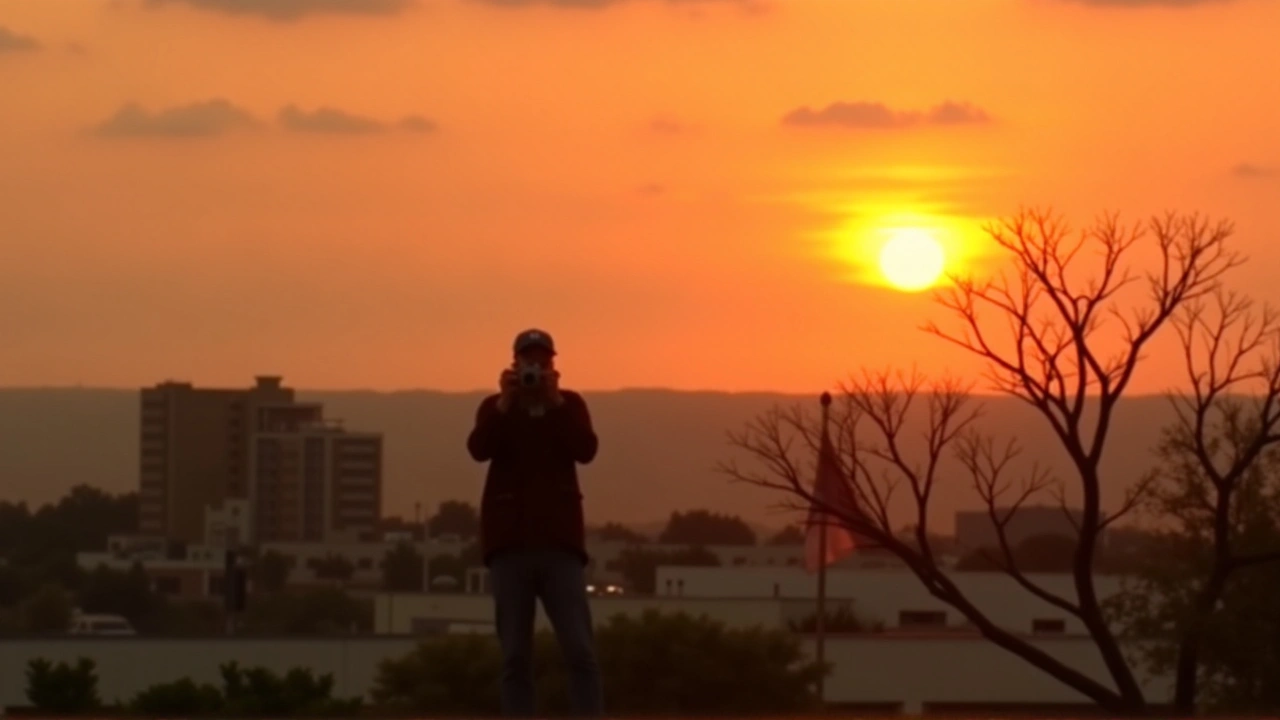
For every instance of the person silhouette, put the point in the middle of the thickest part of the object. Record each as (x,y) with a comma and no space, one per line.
(534,434)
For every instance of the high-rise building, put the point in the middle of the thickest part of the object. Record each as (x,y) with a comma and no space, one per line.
(252,465)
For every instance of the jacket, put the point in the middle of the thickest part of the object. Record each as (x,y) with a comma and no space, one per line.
(531,495)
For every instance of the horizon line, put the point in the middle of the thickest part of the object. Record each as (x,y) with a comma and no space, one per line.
(986,393)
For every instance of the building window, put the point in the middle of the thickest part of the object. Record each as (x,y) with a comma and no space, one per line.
(922,619)
(1048,626)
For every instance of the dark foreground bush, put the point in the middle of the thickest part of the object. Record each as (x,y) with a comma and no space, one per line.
(64,689)
(656,664)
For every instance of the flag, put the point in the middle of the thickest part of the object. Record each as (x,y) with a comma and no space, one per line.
(830,490)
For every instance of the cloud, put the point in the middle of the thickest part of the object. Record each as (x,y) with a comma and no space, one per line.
(202,119)
(667,126)
(601,4)
(652,189)
(327,120)
(11,41)
(332,121)
(878,116)
(418,124)
(1249,171)
(1148,3)
(293,10)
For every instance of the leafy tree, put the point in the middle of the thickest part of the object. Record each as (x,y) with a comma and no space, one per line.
(447,566)
(63,689)
(1044,553)
(455,517)
(653,665)
(47,611)
(271,571)
(13,586)
(316,611)
(639,566)
(1203,595)
(79,522)
(472,555)
(402,569)
(1065,340)
(703,527)
(617,532)
(789,535)
(333,567)
(127,594)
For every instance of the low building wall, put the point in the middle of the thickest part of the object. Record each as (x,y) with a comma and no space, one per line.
(414,613)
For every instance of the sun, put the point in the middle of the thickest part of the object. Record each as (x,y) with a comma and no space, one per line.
(912,260)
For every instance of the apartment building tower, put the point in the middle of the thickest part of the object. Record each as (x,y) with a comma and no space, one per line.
(243,466)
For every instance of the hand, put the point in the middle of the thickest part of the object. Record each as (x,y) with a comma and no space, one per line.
(551,386)
(508,385)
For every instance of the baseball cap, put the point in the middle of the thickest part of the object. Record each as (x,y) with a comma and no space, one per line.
(534,338)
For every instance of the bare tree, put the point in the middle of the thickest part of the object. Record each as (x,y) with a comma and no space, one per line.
(1064,339)
(1224,424)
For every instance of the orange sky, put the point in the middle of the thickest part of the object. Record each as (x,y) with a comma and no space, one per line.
(616,171)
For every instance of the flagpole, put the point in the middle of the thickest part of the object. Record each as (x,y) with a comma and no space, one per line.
(820,614)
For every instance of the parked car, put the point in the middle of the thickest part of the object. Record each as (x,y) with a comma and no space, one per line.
(100,625)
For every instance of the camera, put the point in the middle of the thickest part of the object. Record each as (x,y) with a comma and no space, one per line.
(529,375)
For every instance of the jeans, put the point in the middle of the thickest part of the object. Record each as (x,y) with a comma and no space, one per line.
(518,579)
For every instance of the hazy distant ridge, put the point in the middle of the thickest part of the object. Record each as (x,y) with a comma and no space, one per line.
(658,453)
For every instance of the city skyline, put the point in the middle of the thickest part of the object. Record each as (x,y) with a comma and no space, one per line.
(687,194)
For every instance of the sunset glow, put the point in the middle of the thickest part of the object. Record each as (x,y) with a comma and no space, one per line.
(912,260)
(378,195)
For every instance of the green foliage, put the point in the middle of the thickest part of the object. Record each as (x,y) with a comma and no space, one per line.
(251,692)
(446,566)
(842,619)
(180,698)
(127,594)
(617,532)
(639,566)
(259,692)
(63,688)
(316,611)
(447,675)
(789,535)
(47,611)
(703,527)
(654,664)
(455,517)
(337,568)
(402,569)
(271,571)
(39,547)
(1239,653)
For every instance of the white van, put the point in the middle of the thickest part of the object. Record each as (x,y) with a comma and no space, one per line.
(101,625)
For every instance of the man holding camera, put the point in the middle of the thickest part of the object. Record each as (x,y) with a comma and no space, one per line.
(533,434)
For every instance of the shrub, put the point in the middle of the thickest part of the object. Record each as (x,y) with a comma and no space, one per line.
(654,664)
(63,689)
(180,698)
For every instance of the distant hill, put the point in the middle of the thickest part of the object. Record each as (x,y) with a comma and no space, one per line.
(658,453)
